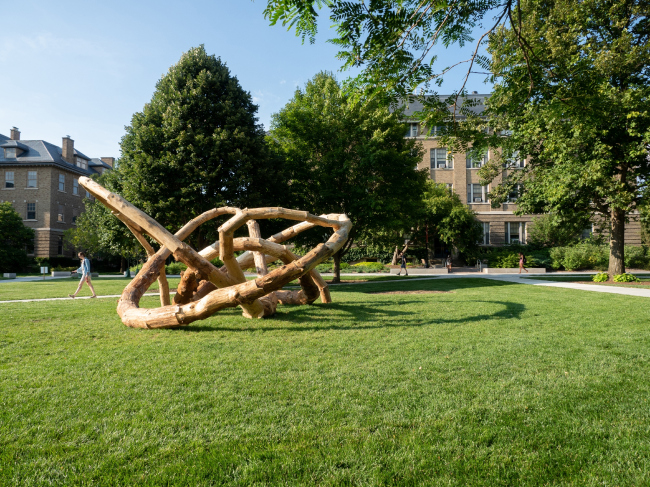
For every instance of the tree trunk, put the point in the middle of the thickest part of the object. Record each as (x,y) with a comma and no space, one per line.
(617,243)
(337,267)
(122,265)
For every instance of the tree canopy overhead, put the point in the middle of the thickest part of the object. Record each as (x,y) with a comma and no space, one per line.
(196,145)
(346,157)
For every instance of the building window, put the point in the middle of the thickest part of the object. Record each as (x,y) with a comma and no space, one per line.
(515,232)
(450,187)
(10,153)
(9,179)
(514,193)
(31,179)
(82,163)
(476,162)
(587,232)
(59,245)
(486,234)
(441,159)
(29,247)
(62,182)
(31,211)
(412,130)
(60,215)
(515,162)
(75,186)
(477,193)
(87,195)
(75,215)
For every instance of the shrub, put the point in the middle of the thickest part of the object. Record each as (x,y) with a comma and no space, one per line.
(636,257)
(625,278)
(370,267)
(585,255)
(601,277)
(175,268)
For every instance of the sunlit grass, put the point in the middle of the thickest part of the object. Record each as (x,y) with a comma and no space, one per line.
(489,384)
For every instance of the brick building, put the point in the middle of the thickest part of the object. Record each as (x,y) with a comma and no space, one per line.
(460,173)
(41,181)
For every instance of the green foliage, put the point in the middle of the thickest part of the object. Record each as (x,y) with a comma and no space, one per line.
(590,255)
(626,278)
(556,231)
(14,237)
(449,219)
(175,268)
(601,277)
(196,145)
(345,157)
(589,156)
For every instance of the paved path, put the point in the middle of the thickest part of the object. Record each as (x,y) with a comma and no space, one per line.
(514,279)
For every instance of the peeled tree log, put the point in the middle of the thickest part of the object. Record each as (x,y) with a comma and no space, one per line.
(206,289)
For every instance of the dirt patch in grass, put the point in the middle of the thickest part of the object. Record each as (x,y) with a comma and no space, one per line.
(412,292)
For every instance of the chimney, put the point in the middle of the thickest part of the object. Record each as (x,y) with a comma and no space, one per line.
(15,133)
(67,149)
(108,160)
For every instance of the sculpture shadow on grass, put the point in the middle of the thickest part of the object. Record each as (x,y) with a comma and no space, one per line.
(366,316)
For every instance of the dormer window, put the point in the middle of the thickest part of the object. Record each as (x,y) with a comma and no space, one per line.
(13,149)
(82,163)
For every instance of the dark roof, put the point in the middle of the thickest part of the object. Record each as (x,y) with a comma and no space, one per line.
(97,162)
(41,152)
(476,105)
(13,143)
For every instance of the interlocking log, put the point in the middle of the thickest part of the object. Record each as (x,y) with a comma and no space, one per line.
(206,289)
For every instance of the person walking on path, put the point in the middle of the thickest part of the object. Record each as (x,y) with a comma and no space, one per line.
(402,255)
(522,262)
(85,276)
(449,263)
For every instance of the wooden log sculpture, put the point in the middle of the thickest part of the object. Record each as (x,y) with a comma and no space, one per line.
(205,289)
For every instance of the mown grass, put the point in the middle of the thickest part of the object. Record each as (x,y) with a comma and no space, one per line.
(490,384)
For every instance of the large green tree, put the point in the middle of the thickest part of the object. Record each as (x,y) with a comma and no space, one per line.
(196,145)
(579,112)
(14,237)
(346,157)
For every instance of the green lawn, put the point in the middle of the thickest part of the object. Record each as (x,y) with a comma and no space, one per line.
(490,384)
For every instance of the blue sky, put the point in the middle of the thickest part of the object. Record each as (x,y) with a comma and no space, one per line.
(83,68)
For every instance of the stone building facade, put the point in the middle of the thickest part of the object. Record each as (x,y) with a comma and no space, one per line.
(41,181)
(500,225)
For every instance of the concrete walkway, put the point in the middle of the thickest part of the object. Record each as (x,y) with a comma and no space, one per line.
(514,279)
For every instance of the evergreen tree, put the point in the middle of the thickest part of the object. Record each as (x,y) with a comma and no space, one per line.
(195,146)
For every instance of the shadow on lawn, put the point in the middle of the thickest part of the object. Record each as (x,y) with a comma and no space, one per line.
(363,317)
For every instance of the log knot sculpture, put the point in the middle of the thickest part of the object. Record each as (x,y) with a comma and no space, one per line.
(205,289)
